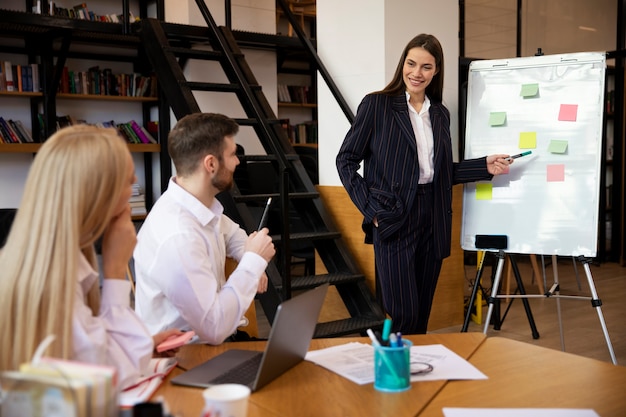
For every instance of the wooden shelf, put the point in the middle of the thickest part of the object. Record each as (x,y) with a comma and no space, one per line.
(20,94)
(105,98)
(34,147)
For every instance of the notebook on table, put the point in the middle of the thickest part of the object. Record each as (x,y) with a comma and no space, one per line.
(288,343)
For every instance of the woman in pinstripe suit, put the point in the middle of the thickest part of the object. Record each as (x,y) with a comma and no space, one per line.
(402,136)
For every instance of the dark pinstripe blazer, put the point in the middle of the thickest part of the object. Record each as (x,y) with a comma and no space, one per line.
(382,137)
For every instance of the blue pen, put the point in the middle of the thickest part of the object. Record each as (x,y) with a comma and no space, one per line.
(393,340)
(386,330)
(399,338)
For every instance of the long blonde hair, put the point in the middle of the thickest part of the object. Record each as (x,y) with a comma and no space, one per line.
(70,196)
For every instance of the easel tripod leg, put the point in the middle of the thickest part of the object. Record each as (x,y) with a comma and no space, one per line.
(597,303)
(522,290)
(494,290)
(472,299)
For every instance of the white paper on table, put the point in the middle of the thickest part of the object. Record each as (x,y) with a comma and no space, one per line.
(517,412)
(355,361)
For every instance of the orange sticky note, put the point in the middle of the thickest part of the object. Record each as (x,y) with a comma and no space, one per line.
(555,173)
(568,112)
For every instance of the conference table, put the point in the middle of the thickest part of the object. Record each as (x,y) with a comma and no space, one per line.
(520,375)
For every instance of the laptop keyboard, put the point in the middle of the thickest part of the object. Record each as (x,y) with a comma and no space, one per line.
(244,373)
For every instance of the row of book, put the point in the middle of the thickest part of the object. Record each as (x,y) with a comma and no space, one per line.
(13,131)
(131,131)
(300,133)
(104,82)
(17,77)
(295,94)
(79,11)
(137,201)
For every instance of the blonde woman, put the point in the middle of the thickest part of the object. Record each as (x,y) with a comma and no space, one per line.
(76,192)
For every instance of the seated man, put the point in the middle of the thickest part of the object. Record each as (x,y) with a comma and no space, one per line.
(183,244)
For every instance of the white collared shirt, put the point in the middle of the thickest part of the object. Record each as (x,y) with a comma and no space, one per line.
(116,337)
(179,264)
(423,131)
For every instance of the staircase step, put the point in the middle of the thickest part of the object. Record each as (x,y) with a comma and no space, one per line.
(343,327)
(217,87)
(312,281)
(309,236)
(275,196)
(196,53)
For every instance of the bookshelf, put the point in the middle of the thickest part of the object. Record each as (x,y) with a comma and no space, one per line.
(57,42)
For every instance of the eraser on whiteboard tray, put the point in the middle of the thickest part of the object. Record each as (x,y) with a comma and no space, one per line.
(491,242)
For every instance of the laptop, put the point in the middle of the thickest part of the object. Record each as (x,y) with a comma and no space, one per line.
(288,343)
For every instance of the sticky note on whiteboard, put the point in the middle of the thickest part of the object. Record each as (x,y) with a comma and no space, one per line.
(568,112)
(529,90)
(484,191)
(528,140)
(557,146)
(497,118)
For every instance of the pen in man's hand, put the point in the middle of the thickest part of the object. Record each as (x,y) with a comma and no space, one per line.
(265,212)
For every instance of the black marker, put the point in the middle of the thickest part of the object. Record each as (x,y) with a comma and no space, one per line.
(264,216)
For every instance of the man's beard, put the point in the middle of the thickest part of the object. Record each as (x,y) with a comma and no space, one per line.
(222,181)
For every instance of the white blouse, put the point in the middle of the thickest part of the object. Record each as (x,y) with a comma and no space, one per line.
(116,337)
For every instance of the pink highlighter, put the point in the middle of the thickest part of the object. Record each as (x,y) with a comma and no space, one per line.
(173,342)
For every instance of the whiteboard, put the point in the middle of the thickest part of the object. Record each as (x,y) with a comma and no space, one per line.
(547,203)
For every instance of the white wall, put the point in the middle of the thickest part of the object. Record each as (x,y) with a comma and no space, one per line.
(360,43)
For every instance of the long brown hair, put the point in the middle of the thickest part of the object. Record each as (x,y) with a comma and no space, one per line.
(434,91)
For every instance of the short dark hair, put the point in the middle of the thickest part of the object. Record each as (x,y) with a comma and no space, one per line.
(434,91)
(197,135)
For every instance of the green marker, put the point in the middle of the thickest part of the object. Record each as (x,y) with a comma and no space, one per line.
(519,155)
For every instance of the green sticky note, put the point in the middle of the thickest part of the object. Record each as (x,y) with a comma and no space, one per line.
(484,191)
(528,140)
(497,118)
(529,90)
(557,146)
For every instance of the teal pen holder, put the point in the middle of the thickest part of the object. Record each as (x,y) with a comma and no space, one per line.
(392,367)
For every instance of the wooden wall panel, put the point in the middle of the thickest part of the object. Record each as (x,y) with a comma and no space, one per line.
(448,304)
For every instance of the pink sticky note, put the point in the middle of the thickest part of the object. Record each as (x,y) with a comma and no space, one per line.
(568,112)
(556,173)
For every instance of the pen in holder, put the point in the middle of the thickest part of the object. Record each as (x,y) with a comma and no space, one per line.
(392,367)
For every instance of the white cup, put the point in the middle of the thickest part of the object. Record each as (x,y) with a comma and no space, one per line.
(226,400)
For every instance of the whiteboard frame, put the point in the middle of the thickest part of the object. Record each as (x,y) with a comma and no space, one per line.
(538,216)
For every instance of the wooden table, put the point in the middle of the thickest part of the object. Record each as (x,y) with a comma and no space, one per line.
(522,375)
(310,390)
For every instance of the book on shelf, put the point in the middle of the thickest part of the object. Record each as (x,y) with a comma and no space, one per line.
(8,76)
(148,383)
(137,201)
(9,135)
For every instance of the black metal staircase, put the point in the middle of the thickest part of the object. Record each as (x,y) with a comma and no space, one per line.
(299,221)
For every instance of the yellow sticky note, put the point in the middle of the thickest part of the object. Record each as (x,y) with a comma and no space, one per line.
(557,146)
(528,140)
(484,191)
(529,90)
(497,118)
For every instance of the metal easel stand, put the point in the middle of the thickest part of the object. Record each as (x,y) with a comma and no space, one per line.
(493,299)
(554,292)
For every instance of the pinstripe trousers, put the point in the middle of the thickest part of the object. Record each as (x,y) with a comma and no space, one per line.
(407,268)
